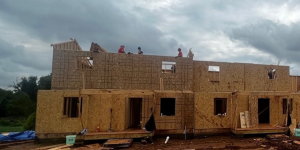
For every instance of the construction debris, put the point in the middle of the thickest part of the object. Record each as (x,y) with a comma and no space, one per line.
(118,143)
(97,48)
(277,137)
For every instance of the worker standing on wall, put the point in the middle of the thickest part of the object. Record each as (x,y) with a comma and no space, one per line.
(179,52)
(190,54)
(121,49)
(140,51)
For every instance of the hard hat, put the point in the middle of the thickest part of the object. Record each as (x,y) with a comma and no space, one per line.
(139,47)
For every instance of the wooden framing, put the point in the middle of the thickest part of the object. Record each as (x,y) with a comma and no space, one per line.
(115,78)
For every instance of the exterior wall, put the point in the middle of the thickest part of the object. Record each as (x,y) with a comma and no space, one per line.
(204,112)
(96,105)
(242,77)
(236,103)
(115,78)
(295,82)
(184,104)
(49,113)
(119,71)
(296,107)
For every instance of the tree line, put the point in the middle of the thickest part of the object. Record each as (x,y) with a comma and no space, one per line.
(21,100)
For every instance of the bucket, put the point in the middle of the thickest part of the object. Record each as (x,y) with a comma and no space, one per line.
(70,139)
(297,132)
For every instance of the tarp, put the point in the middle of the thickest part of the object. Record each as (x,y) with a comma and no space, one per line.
(16,136)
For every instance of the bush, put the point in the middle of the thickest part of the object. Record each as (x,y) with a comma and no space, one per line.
(30,123)
(12,121)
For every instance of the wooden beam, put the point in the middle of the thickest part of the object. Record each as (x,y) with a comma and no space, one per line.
(174,91)
(129,92)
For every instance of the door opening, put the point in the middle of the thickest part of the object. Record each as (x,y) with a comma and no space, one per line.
(135,112)
(263,110)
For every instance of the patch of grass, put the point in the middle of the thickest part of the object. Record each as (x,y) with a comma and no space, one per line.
(11,129)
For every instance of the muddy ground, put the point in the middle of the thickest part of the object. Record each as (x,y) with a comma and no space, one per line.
(222,142)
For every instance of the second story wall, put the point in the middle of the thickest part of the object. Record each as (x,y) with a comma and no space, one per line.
(295,81)
(75,70)
(239,76)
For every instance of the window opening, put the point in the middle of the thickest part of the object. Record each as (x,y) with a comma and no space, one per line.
(168,67)
(214,73)
(284,106)
(214,68)
(272,74)
(220,106)
(71,107)
(84,62)
(167,107)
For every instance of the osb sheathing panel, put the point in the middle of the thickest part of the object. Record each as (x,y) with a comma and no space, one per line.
(256,78)
(296,107)
(99,112)
(231,77)
(69,45)
(50,117)
(295,82)
(184,114)
(204,111)
(276,111)
(119,71)
(239,76)
(95,111)
(240,104)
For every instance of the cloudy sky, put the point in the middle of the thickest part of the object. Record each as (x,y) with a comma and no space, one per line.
(249,31)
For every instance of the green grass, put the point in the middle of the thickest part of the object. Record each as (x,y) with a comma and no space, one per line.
(11,129)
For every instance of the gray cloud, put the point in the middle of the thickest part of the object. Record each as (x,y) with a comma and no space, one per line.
(97,21)
(274,38)
(159,27)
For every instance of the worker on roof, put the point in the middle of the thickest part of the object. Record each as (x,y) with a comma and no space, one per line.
(140,51)
(190,54)
(179,52)
(121,49)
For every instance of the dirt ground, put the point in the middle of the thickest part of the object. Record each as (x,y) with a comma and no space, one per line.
(223,142)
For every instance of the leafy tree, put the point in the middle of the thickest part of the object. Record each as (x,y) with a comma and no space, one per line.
(27,85)
(5,96)
(45,82)
(20,105)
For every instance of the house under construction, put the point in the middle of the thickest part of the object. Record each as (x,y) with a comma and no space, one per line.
(111,95)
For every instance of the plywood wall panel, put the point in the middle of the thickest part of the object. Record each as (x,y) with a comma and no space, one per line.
(204,111)
(120,71)
(239,76)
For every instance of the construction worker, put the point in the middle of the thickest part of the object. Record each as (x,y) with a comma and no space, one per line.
(121,49)
(179,52)
(140,51)
(190,54)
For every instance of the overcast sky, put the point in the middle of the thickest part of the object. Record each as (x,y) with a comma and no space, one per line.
(248,31)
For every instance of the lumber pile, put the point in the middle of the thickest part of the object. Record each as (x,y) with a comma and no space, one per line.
(277,137)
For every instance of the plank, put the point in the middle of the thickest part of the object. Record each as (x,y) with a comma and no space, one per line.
(133,92)
(247,119)
(61,147)
(293,126)
(48,147)
(242,118)
(93,145)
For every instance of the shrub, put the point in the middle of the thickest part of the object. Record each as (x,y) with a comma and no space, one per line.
(30,123)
